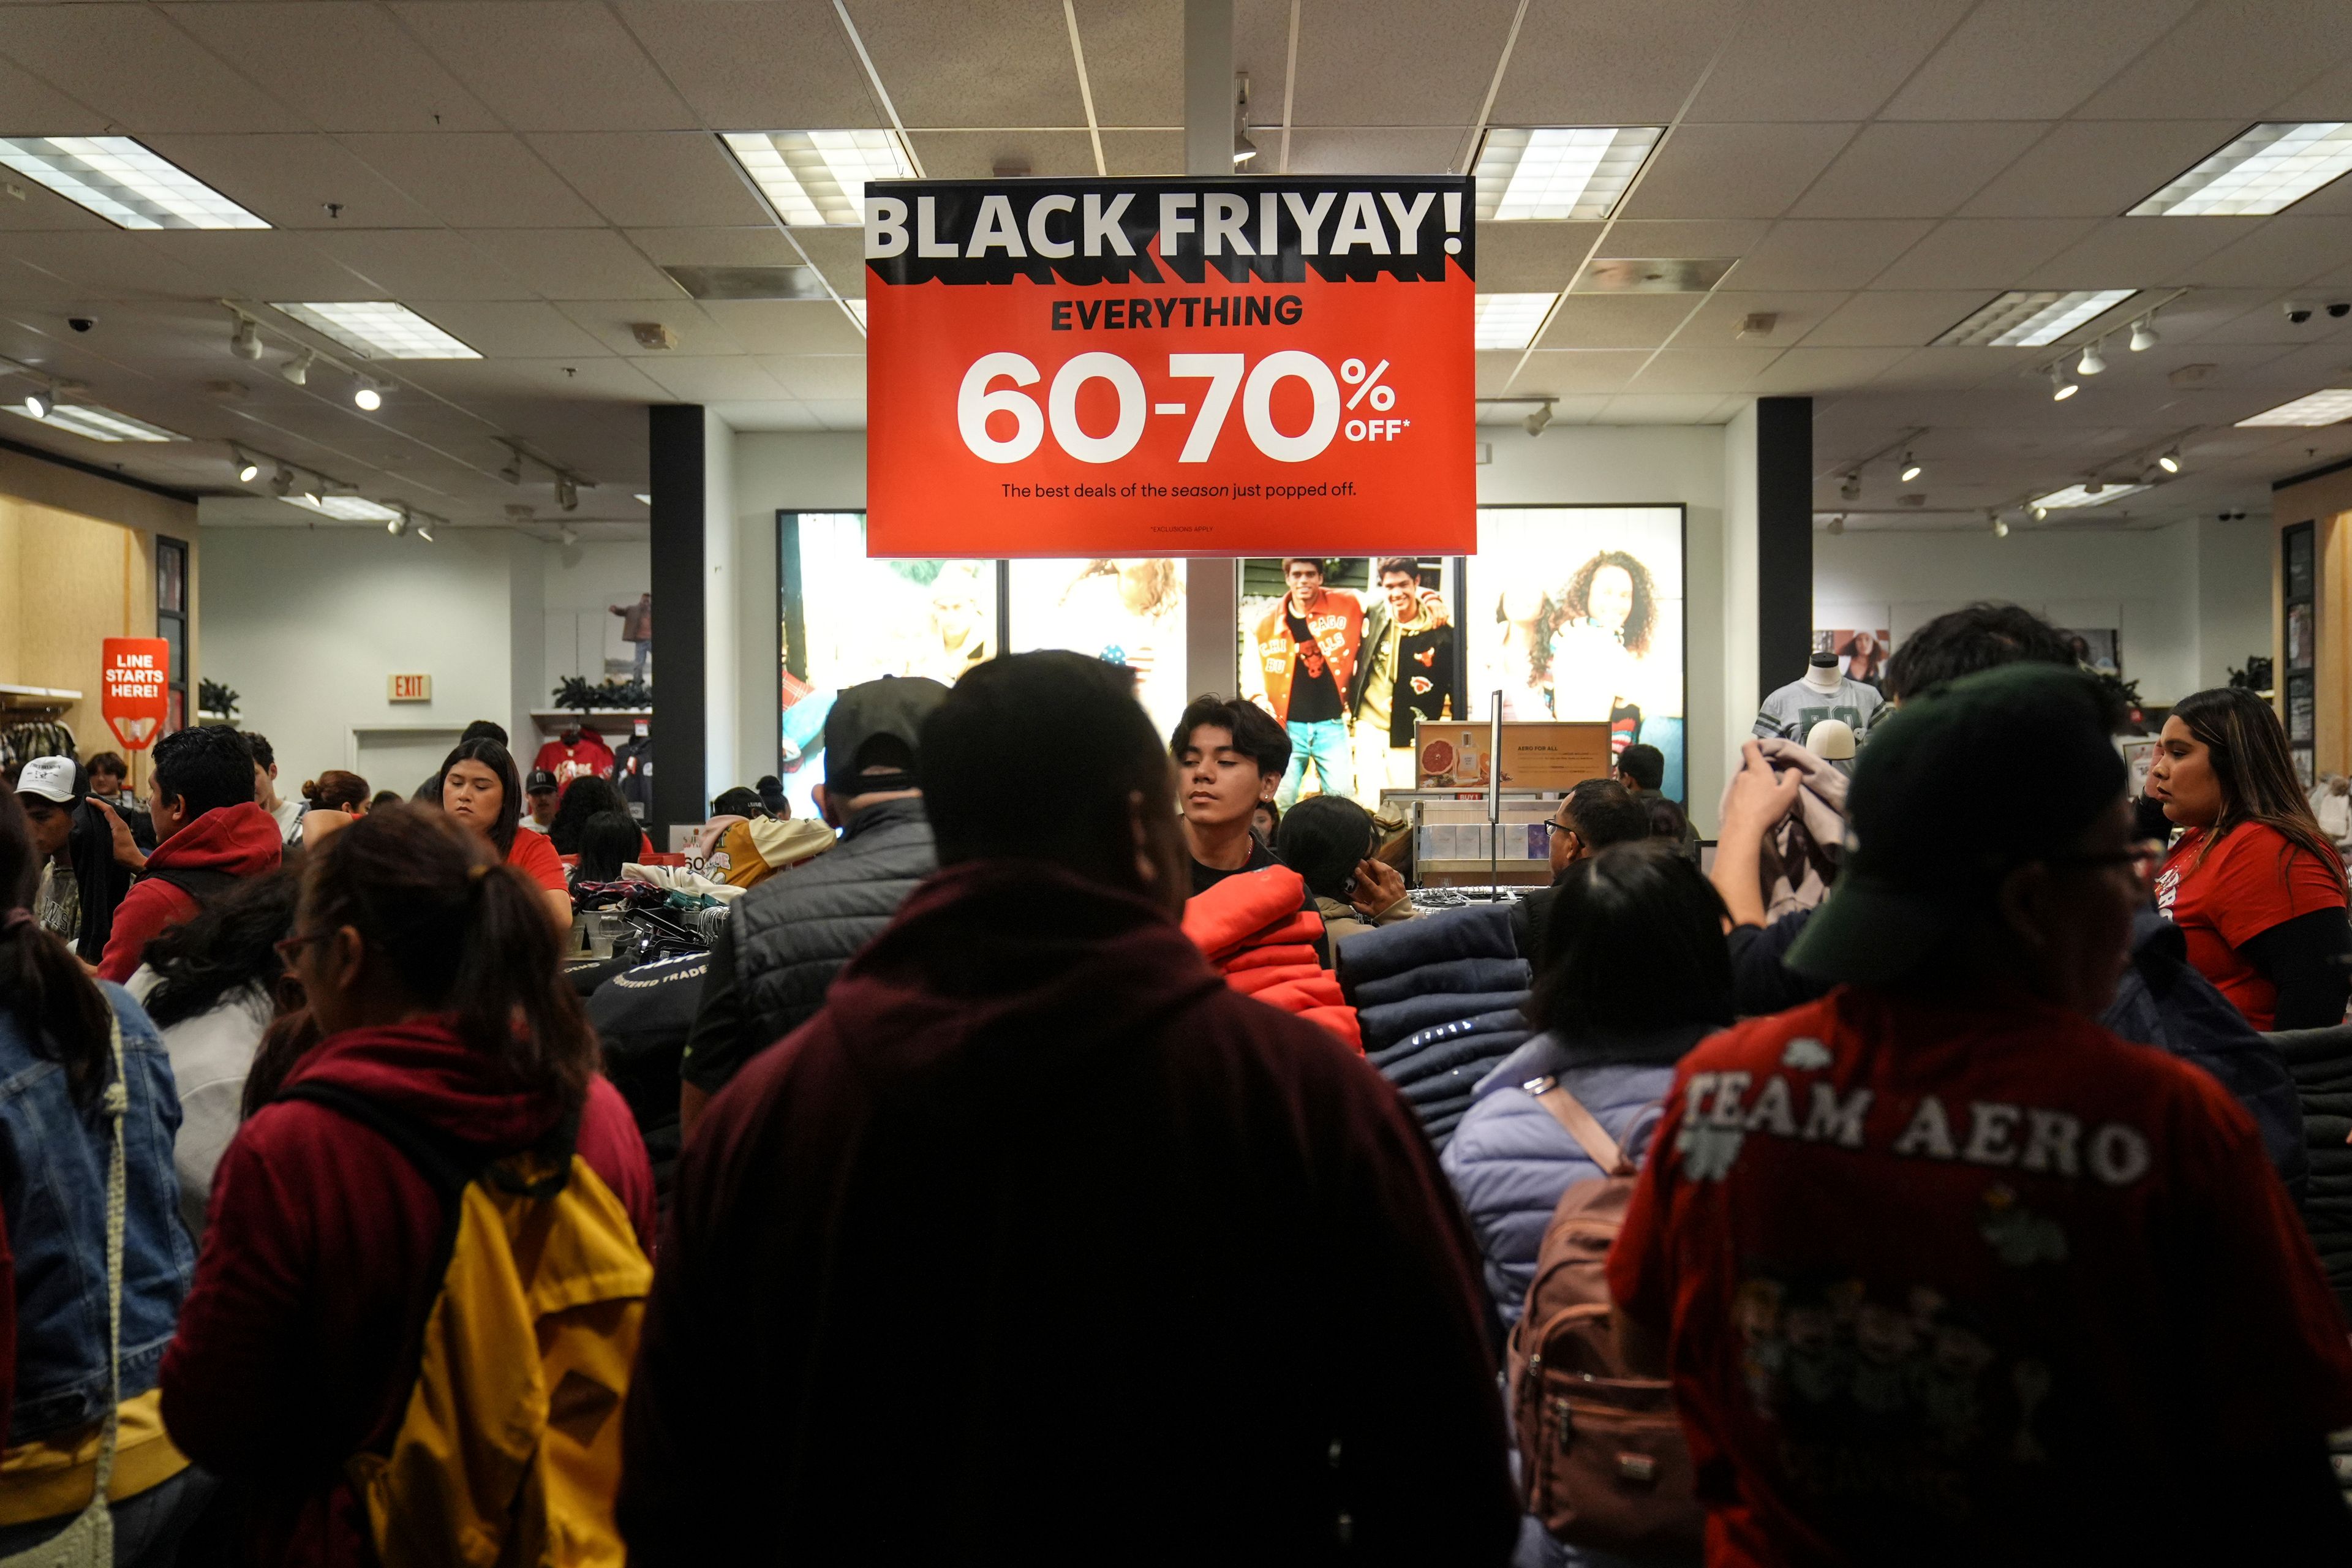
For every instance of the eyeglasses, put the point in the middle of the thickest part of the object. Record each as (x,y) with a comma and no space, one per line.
(288,947)
(1558,826)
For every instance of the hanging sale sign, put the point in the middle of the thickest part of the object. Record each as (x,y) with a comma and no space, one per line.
(135,697)
(1170,367)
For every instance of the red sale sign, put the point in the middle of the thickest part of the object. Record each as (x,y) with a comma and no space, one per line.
(135,696)
(1170,367)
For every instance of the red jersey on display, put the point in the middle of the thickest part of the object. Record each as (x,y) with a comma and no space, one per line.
(1986,1274)
(588,754)
(2255,878)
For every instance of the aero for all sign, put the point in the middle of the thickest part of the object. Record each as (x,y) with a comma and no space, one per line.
(1170,367)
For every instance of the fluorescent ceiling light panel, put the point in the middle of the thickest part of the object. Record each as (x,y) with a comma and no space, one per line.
(1558,172)
(2267,169)
(98,423)
(2075,495)
(857,309)
(123,183)
(813,177)
(2330,405)
(1510,321)
(2032,318)
(379,329)
(350,509)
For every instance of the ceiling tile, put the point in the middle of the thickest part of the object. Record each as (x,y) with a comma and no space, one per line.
(41,208)
(473,180)
(1734,170)
(550,65)
(786,326)
(290,180)
(833,376)
(2137,253)
(775,415)
(1527,258)
(2325,96)
(847,414)
(979,62)
(1150,154)
(576,264)
(1631,408)
(1822,59)
(975,154)
(2099,169)
(1888,319)
(1359,150)
(1915,170)
(669,179)
(90,265)
(604,377)
(1129,44)
(270,264)
(609,320)
(1812,372)
(2285,251)
(1395,62)
(1579,64)
(1697,238)
(1981,253)
(413,264)
(131,65)
(840,255)
(516,328)
(341,65)
(757,65)
(1573,372)
(719,379)
(2028,59)
(761,245)
(1716,370)
(2229,61)
(1717,320)
(30,107)
(1617,320)
(1826,253)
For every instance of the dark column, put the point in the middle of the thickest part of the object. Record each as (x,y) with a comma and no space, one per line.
(676,468)
(1784,540)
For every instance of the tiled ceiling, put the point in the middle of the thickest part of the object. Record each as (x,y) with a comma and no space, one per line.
(521,171)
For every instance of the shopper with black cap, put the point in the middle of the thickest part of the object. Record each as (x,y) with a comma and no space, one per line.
(1948,1272)
(542,792)
(787,938)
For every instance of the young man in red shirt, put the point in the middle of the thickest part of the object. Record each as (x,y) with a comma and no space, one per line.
(1951,1274)
(210,833)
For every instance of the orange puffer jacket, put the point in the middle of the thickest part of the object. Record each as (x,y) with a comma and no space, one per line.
(1251,929)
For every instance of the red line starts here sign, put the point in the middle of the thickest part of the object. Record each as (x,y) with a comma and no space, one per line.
(135,697)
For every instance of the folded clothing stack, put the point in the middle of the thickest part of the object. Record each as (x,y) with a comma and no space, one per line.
(2321,1063)
(1438,1000)
(1254,929)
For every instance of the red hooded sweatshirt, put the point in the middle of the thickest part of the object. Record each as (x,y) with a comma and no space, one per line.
(296,1346)
(1040,1244)
(243,840)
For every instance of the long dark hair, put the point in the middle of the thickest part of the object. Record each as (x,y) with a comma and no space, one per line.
(1641,619)
(585,797)
(65,1016)
(608,843)
(2247,747)
(463,934)
(499,761)
(230,943)
(1635,941)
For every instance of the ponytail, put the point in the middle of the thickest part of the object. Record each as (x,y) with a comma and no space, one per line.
(65,1016)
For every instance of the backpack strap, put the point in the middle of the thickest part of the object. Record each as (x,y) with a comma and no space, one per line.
(445,1163)
(201,883)
(1581,1125)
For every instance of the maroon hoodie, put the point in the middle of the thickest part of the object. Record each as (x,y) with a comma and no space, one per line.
(296,1346)
(243,840)
(1040,1244)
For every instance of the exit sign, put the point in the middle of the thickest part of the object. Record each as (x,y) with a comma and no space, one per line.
(412,688)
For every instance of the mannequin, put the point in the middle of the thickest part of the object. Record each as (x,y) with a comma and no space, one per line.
(1822,692)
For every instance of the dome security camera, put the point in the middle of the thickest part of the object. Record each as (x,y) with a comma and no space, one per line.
(81,323)
(2340,309)
(2296,311)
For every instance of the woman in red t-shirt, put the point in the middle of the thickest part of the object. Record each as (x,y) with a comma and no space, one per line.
(2254,884)
(480,787)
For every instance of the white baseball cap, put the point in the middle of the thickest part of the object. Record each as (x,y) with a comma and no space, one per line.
(51,778)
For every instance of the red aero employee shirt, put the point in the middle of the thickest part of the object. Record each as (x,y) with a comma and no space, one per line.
(1991,1279)
(535,857)
(2254,878)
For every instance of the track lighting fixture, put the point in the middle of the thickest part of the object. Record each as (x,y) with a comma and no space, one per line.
(1537,421)
(2062,385)
(1852,489)
(1911,470)
(425,532)
(310,495)
(567,535)
(395,525)
(1837,523)
(2091,363)
(512,472)
(1999,528)
(38,404)
(2041,512)
(567,494)
(1244,148)
(368,398)
(246,341)
(297,371)
(282,481)
(2093,485)
(247,471)
(2171,461)
(2144,334)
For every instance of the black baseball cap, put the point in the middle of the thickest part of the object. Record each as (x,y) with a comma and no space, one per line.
(541,778)
(894,705)
(1910,881)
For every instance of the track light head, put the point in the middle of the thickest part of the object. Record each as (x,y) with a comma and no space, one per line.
(246,341)
(395,526)
(425,532)
(2092,362)
(2041,514)
(1852,489)
(567,535)
(1911,470)
(1537,421)
(368,398)
(1837,523)
(1999,528)
(2144,334)
(2062,385)
(282,481)
(2093,485)
(38,404)
(297,371)
(247,471)
(567,494)
(2171,461)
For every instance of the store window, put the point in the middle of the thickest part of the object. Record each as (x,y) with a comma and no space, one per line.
(172,624)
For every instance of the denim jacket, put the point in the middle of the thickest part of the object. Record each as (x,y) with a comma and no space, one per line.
(53,1165)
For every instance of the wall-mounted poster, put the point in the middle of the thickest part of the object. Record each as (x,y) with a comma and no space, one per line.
(847,618)
(1860,651)
(1577,613)
(1350,654)
(1128,613)
(2095,648)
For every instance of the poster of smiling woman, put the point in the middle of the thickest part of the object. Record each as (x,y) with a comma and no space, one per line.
(1577,613)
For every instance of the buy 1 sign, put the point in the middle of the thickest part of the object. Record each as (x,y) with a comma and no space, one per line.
(1170,367)
(136,696)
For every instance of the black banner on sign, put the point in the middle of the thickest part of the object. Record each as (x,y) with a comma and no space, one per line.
(1283,230)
